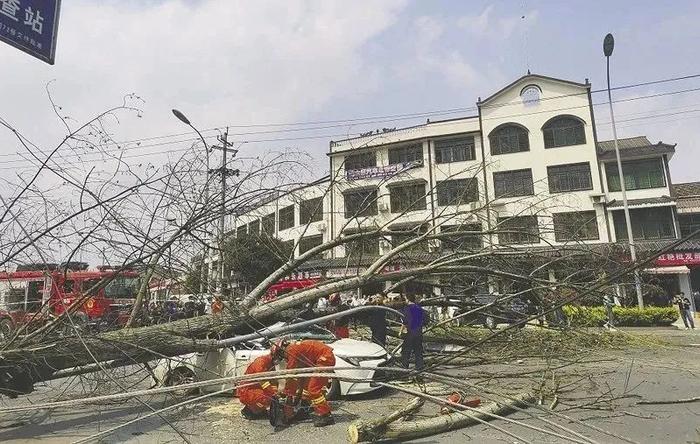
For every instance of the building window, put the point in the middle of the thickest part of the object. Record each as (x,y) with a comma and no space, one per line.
(457,191)
(362,246)
(407,197)
(410,233)
(360,161)
(647,223)
(639,174)
(575,225)
(563,131)
(571,177)
(454,150)
(268,224)
(242,231)
(254,228)
(405,154)
(462,237)
(309,242)
(689,223)
(286,217)
(311,210)
(513,183)
(518,230)
(360,203)
(509,138)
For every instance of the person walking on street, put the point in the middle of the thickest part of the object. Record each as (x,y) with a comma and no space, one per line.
(609,302)
(684,307)
(377,322)
(414,318)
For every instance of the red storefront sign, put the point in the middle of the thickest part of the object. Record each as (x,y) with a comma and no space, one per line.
(674,259)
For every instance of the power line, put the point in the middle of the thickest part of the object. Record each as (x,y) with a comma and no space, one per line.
(326,136)
(386,118)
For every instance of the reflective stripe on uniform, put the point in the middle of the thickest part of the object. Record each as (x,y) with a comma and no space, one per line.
(265,385)
(320,400)
(261,405)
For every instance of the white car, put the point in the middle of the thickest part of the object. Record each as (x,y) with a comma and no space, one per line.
(234,360)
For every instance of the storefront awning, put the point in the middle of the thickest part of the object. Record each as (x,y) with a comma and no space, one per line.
(680,269)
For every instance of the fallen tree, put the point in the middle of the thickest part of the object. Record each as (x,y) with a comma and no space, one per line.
(399,431)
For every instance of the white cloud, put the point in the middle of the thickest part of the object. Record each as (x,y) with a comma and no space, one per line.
(220,61)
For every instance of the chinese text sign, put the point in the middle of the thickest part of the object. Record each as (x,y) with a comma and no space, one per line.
(31,26)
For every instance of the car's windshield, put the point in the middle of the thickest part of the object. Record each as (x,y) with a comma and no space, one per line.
(122,287)
(118,287)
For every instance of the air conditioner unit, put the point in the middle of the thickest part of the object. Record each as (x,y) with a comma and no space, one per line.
(382,207)
(599,198)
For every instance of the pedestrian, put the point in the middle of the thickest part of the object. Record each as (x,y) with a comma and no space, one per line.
(377,322)
(340,327)
(684,307)
(414,318)
(307,354)
(608,302)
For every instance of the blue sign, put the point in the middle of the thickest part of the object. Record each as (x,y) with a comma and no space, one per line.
(31,26)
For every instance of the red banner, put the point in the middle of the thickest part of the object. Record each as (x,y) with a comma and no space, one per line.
(674,259)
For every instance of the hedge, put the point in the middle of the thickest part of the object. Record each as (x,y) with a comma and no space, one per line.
(624,316)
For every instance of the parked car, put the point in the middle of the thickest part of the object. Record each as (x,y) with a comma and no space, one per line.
(233,361)
(509,311)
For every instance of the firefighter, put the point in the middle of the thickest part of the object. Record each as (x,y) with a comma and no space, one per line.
(306,354)
(256,396)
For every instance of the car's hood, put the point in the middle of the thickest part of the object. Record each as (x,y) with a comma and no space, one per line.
(353,348)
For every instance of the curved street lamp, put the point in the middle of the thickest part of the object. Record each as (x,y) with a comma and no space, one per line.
(204,272)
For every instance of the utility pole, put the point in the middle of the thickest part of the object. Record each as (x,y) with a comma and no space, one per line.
(608,45)
(224,172)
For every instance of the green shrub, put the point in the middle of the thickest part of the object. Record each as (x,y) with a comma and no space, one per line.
(624,316)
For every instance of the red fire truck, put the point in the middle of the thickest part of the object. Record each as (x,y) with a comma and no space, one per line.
(32,294)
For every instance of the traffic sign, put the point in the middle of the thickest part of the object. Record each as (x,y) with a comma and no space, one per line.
(31,26)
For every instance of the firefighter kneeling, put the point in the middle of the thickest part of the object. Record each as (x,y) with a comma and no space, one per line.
(256,397)
(307,354)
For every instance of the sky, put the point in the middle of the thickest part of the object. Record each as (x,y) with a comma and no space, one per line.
(251,65)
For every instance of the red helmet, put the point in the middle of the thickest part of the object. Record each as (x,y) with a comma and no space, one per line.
(334,299)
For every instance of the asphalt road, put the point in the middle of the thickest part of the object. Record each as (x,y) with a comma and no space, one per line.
(603,393)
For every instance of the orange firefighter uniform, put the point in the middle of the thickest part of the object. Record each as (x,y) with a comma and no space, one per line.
(257,396)
(305,354)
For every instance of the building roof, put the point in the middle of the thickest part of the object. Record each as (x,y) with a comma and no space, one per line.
(647,202)
(685,190)
(687,196)
(638,146)
(532,77)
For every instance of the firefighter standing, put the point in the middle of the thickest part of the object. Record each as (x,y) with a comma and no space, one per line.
(307,354)
(256,396)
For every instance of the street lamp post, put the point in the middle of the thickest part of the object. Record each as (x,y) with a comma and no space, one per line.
(204,272)
(608,45)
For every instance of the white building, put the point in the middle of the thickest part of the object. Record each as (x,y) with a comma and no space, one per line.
(528,170)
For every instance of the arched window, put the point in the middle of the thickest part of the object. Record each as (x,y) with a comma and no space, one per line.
(563,131)
(509,138)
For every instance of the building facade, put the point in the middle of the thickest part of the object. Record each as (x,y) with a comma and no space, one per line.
(527,171)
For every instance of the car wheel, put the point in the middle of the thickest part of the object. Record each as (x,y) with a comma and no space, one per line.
(490,323)
(6,329)
(333,390)
(180,376)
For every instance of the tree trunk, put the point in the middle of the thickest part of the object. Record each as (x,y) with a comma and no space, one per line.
(360,431)
(444,423)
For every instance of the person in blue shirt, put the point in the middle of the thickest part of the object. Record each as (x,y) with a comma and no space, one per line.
(414,318)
